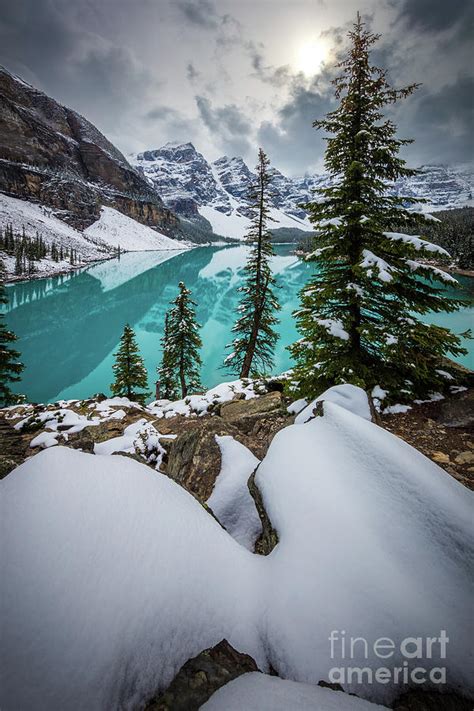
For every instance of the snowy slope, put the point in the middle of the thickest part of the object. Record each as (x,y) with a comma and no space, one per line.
(182,176)
(115,229)
(114,576)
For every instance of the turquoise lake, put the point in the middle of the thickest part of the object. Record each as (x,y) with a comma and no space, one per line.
(69,326)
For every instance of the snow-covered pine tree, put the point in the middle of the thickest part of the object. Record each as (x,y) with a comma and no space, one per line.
(129,369)
(10,366)
(167,371)
(359,315)
(254,345)
(181,357)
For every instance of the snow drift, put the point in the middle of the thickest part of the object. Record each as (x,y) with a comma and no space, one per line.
(113,575)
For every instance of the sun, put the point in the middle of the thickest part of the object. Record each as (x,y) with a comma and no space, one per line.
(310,56)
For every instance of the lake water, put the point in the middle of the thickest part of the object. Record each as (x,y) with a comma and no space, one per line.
(69,327)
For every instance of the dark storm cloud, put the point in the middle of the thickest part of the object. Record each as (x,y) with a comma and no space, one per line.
(447,119)
(200,12)
(228,125)
(428,15)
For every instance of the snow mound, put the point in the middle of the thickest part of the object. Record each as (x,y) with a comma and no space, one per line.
(259,692)
(202,404)
(230,499)
(374,540)
(113,576)
(115,229)
(348,396)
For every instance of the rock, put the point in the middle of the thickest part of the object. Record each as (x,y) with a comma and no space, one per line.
(201,676)
(52,155)
(465,458)
(236,409)
(194,458)
(7,465)
(83,440)
(431,701)
(457,411)
(268,539)
(440,458)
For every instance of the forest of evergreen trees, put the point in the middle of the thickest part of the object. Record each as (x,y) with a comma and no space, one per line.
(29,250)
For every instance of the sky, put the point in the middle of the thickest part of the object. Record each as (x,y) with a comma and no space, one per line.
(233,75)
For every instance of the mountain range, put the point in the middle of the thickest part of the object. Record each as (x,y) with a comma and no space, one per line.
(61,177)
(192,186)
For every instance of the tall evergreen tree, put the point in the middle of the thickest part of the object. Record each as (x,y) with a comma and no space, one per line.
(181,364)
(254,344)
(166,371)
(359,316)
(10,366)
(129,369)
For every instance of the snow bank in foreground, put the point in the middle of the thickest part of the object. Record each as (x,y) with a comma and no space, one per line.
(230,500)
(346,395)
(259,692)
(114,228)
(113,576)
(375,540)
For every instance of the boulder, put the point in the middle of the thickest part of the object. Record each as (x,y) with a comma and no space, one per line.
(457,411)
(237,409)
(194,457)
(201,676)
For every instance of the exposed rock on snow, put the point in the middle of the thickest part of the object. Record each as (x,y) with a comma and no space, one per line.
(237,409)
(347,396)
(200,677)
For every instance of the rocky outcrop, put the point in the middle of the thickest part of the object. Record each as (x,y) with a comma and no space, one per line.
(201,676)
(51,154)
(194,458)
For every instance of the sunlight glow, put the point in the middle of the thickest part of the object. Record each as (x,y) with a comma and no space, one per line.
(310,56)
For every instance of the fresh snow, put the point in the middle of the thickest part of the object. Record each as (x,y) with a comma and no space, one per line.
(260,692)
(202,404)
(348,396)
(334,327)
(416,242)
(113,575)
(371,260)
(115,229)
(230,499)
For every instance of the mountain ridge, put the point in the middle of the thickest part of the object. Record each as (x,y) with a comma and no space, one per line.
(191,185)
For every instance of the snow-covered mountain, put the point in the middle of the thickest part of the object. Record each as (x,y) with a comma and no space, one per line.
(191,186)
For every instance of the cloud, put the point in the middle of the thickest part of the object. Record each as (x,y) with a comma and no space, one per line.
(228,125)
(430,16)
(192,73)
(202,13)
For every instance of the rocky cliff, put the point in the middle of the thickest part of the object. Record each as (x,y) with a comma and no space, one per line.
(51,154)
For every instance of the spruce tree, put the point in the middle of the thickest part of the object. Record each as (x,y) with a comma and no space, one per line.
(359,315)
(10,366)
(181,364)
(254,344)
(167,372)
(129,369)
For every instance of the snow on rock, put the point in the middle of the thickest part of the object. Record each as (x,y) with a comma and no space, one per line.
(260,692)
(230,499)
(297,406)
(140,437)
(116,229)
(113,577)
(44,440)
(58,419)
(374,539)
(348,396)
(202,404)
